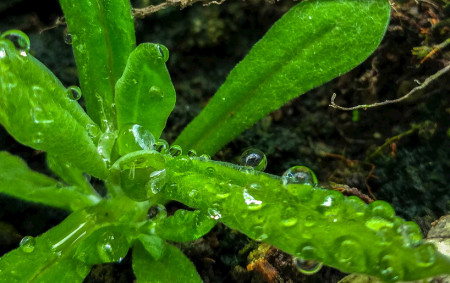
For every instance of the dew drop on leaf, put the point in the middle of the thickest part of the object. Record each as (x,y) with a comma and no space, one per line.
(40,116)
(134,137)
(155,91)
(27,244)
(425,254)
(299,175)
(307,267)
(19,39)
(156,181)
(112,247)
(73,93)
(161,146)
(157,212)
(253,158)
(164,52)
(205,157)
(192,153)
(68,38)
(175,150)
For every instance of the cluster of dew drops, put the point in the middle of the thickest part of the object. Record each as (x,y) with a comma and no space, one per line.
(251,158)
(39,114)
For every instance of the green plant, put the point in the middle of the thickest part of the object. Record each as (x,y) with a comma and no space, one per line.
(129,96)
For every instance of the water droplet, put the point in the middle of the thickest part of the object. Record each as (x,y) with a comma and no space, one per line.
(299,175)
(289,216)
(309,221)
(252,203)
(357,204)
(164,52)
(210,171)
(309,251)
(19,39)
(214,214)
(93,130)
(390,268)
(112,247)
(38,92)
(27,244)
(68,38)
(156,182)
(175,150)
(307,267)
(161,146)
(411,234)
(253,158)
(40,116)
(381,209)
(192,153)
(155,91)
(157,212)
(38,138)
(425,255)
(134,137)
(105,145)
(73,93)
(349,253)
(204,157)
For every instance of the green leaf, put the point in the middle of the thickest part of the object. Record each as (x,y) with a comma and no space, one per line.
(17,180)
(102,38)
(155,246)
(145,94)
(70,174)
(313,43)
(173,266)
(107,244)
(36,110)
(306,221)
(185,226)
(48,258)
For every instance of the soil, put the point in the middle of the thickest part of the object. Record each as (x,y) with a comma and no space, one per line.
(205,42)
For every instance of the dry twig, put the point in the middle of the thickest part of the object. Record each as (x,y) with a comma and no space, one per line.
(143,12)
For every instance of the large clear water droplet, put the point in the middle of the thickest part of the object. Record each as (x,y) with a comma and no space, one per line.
(204,157)
(164,52)
(19,39)
(73,93)
(299,175)
(350,253)
(105,145)
(307,267)
(253,158)
(27,244)
(133,137)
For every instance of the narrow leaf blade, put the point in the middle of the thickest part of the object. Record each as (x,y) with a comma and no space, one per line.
(36,111)
(102,38)
(145,94)
(17,180)
(313,43)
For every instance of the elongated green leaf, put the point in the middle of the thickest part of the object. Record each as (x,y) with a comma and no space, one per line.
(313,43)
(102,38)
(155,246)
(70,174)
(185,226)
(306,221)
(48,258)
(36,110)
(17,180)
(173,266)
(145,94)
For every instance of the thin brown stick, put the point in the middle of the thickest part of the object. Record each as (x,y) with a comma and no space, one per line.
(143,12)
(376,104)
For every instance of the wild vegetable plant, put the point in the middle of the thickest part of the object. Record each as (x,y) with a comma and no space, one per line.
(129,96)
